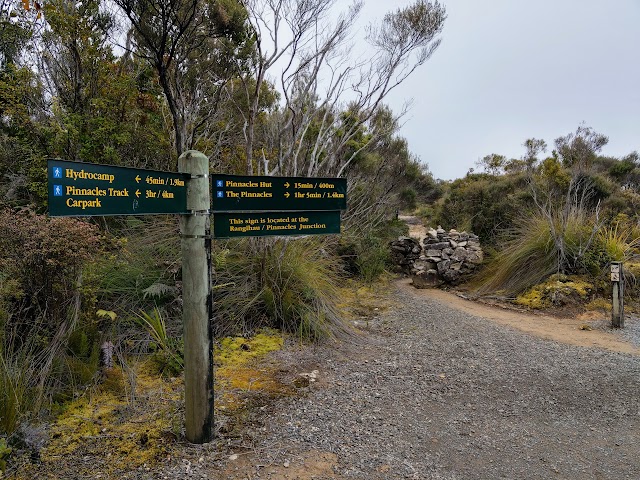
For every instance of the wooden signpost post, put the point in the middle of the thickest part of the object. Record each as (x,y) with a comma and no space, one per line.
(243,206)
(617,280)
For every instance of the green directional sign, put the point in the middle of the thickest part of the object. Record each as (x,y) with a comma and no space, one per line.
(235,193)
(260,224)
(87,189)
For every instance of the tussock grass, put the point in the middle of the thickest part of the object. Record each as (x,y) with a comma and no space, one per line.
(528,258)
(16,384)
(619,241)
(144,271)
(281,283)
(573,243)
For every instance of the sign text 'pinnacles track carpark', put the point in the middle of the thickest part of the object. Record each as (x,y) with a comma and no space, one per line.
(87,189)
(237,193)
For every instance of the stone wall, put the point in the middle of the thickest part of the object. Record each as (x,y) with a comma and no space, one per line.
(446,257)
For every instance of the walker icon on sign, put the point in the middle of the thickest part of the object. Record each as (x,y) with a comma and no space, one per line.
(57,190)
(57,172)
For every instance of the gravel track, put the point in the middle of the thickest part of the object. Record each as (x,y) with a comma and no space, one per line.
(434,393)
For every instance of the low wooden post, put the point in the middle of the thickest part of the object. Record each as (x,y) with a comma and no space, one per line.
(196,298)
(617,310)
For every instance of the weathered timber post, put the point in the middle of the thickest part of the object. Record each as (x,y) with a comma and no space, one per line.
(617,310)
(196,298)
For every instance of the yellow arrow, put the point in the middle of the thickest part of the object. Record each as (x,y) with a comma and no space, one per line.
(287,195)
(138,193)
(137,178)
(287,185)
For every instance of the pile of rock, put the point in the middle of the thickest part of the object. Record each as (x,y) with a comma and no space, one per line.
(404,252)
(447,257)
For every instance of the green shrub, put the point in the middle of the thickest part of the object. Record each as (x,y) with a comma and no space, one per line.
(42,285)
(143,272)
(528,257)
(18,376)
(169,350)
(5,451)
(282,283)
(372,258)
(44,258)
(570,244)
(365,252)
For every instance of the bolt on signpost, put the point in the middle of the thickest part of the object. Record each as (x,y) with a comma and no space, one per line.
(617,280)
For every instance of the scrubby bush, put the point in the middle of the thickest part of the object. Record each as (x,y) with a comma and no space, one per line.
(484,204)
(365,252)
(41,266)
(284,283)
(542,246)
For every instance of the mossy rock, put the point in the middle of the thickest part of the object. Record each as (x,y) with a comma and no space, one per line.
(557,291)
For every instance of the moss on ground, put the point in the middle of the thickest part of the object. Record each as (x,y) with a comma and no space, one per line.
(557,290)
(363,301)
(242,373)
(235,351)
(130,422)
(118,431)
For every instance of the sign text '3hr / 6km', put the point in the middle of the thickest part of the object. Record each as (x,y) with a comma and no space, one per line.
(235,192)
(85,189)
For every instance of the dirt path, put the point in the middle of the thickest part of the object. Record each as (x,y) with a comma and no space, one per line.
(416,229)
(565,330)
(440,388)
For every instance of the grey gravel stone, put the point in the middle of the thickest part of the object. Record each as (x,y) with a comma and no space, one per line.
(433,393)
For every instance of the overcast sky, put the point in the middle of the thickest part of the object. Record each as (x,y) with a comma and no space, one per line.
(508,70)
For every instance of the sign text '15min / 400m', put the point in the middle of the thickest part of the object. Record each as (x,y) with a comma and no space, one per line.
(88,189)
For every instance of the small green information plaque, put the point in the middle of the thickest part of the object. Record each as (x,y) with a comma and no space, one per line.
(231,193)
(260,224)
(87,189)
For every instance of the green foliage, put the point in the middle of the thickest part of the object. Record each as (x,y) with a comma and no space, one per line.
(282,283)
(18,372)
(620,240)
(45,257)
(528,257)
(541,246)
(365,253)
(41,280)
(5,451)
(408,198)
(372,257)
(484,204)
(143,272)
(169,351)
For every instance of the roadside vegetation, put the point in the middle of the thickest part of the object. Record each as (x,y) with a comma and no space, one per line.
(90,309)
(558,217)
